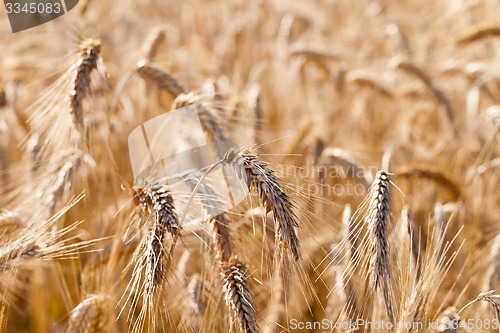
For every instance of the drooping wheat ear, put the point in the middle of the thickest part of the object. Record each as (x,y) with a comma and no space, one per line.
(435,90)
(93,314)
(159,78)
(36,242)
(18,251)
(212,123)
(433,174)
(340,157)
(61,179)
(163,207)
(88,61)
(378,217)
(153,43)
(161,203)
(320,58)
(237,295)
(222,235)
(260,177)
(9,221)
(369,80)
(479,31)
(447,321)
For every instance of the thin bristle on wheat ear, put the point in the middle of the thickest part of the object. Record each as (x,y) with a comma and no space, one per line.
(237,294)
(92,315)
(160,78)
(378,216)
(88,61)
(260,177)
(479,31)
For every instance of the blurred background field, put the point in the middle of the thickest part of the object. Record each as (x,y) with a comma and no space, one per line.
(328,92)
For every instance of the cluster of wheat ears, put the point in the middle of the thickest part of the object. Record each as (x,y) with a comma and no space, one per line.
(370,135)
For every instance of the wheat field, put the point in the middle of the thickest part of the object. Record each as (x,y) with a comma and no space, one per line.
(366,133)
